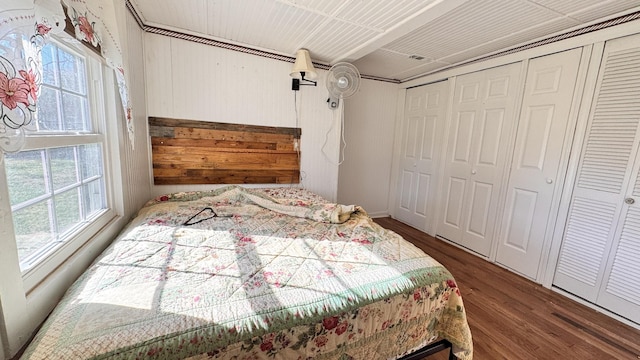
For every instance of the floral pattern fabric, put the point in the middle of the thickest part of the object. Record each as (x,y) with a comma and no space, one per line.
(255,274)
(24,29)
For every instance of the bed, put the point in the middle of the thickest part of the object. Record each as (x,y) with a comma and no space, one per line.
(239,273)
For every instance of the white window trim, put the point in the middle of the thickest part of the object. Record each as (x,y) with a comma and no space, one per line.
(101,109)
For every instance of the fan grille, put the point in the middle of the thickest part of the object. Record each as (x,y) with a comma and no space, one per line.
(343,80)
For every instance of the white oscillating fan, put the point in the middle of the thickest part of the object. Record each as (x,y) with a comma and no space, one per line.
(343,80)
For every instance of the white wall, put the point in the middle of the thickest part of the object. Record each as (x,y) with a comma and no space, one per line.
(20,313)
(135,160)
(188,80)
(370,117)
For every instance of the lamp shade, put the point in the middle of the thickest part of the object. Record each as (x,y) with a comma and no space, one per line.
(303,63)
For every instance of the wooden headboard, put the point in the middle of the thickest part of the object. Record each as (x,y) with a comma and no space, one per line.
(202,152)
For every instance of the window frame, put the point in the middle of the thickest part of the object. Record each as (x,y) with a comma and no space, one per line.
(99,81)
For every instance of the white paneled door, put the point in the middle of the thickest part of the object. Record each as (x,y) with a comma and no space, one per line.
(424,116)
(600,255)
(482,120)
(544,118)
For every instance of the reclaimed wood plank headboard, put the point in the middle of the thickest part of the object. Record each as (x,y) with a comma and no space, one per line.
(202,152)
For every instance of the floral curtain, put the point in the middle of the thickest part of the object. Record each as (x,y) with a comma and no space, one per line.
(25,26)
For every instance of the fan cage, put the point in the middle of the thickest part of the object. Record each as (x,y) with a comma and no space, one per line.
(345,71)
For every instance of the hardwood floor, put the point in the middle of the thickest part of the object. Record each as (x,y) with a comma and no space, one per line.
(513,318)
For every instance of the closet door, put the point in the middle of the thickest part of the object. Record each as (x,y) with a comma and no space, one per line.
(544,118)
(621,290)
(482,120)
(424,116)
(599,256)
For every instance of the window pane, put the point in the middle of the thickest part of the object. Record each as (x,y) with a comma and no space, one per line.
(67,210)
(25,175)
(33,228)
(49,68)
(48,109)
(71,72)
(94,199)
(75,112)
(63,167)
(91,160)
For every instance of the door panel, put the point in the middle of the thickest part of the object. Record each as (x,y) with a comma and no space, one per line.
(453,210)
(425,110)
(523,203)
(621,290)
(475,156)
(544,120)
(621,293)
(481,200)
(405,190)
(424,184)
(463,137)
(600,262)
(597,215)
(488,154)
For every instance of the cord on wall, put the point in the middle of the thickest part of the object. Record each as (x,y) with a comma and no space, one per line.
(297,108)
(343,144)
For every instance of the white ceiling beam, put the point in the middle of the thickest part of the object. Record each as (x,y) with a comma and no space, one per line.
(429,13)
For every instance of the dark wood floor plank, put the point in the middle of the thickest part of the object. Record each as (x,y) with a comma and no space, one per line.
(514,318)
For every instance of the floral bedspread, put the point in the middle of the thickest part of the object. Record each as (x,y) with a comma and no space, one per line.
(255,274)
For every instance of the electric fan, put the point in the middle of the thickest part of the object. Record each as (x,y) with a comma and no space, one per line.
(343,80)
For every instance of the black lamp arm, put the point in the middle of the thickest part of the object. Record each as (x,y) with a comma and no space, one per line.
(295,84)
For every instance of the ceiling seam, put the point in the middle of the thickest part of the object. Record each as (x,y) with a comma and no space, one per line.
(559,13)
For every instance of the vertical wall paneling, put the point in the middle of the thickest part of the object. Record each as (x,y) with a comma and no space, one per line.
(369,127)
(13,327)
(135,161)
(187,80)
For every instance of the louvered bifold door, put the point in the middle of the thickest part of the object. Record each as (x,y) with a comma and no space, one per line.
(621,290)
(606,172)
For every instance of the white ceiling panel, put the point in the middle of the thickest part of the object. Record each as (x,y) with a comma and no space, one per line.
(264,24)
(185,14)
(573,7)
(475,24)
(326,7)
(508,41)
(336,37)
(388,64)
(380,14)
(378,36)
(421,70)
(606,7)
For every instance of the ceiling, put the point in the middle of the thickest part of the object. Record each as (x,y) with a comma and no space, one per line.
(382,38)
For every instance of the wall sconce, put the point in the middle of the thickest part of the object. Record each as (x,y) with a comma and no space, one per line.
(303,71)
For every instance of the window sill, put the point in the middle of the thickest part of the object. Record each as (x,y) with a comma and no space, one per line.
(83,248)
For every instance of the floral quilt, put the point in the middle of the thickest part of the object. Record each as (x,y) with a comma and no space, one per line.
(241,273)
